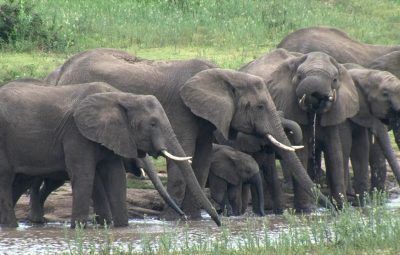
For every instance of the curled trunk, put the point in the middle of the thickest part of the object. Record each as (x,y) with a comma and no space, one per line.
(294,129)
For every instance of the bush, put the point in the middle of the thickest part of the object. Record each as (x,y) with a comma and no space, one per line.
(21,28)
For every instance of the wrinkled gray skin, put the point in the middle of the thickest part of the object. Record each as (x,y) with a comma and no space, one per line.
(230,171)
(40,188)
(379,95)
(345,49)
(304,85)
(265,156)
(80,129)
(196,102)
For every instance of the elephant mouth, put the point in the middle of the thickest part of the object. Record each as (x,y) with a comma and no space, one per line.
(317,103)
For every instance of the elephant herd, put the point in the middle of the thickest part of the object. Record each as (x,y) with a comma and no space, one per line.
(104,110)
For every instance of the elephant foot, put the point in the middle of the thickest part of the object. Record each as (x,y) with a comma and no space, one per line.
(39,219)
(304,210)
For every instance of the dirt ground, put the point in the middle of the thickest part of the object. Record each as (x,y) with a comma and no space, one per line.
(140,202)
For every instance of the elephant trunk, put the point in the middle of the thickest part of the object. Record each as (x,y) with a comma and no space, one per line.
(256,184)
(151,173)
(384,142)
(395,125)
(294,129)
(292,162)
(191,181)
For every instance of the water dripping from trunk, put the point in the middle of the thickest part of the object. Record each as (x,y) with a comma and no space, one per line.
(315,163)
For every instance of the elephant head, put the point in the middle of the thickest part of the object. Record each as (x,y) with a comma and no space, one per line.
(238,102)
(237,168)
(131,125)
(313,83)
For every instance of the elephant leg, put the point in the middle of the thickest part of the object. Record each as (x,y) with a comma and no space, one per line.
(377,163)
(201,166)
(346,134)
(273,183)
(246,195)
(334,164)
(39,195)
(359,161)
(218,190)
(113,175)
(21,184)
(235,198)
(7,214)
(101,204)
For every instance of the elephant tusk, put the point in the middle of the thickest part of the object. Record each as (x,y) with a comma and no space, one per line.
(142,172)
(297,147)
(279,144)
(332,97)
(190,162)
(170,156)
(301,102)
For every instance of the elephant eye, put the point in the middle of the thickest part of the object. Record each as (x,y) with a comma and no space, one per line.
(260,107)
(385,93)
(334,80)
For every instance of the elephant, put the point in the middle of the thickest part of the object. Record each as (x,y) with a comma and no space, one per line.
(198,98)
(379,95)
(84,130)
(345,49)
(230,171)
(318,93)
(265,156)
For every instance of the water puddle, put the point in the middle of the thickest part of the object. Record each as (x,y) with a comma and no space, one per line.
(144,234)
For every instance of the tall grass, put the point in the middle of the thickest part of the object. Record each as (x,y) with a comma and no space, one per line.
(211,23)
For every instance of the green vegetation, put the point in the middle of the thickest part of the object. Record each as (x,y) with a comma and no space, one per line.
(373,230)
(230,33)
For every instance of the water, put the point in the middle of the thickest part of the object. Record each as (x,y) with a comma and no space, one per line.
(143,234)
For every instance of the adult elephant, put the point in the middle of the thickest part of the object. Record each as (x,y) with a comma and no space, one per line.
(319,94)
(345,49)
(230,172)
(196,100)
(379,95)
(83,130)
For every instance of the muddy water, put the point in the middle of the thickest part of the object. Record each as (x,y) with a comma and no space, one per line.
(141,234)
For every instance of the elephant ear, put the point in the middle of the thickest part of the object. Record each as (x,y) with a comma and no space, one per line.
(102,119)
(245,165)
(360,78)
(209,95)
(346,104)
(282,90)
(222,164)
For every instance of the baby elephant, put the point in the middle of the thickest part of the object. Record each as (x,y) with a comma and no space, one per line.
(230,171)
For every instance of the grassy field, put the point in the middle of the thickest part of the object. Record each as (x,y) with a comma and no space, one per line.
(229,33)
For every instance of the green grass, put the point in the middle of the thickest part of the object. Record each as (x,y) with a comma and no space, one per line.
(230,33)
(372,230)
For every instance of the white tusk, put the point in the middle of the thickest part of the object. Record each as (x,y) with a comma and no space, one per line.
(278,144)
(332,98)
(142,171)
(170,156)
(190,162)
(301,102)
(373,139)
(297,147)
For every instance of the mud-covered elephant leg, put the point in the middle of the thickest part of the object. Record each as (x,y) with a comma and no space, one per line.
(201,166)
(235,198)
(334,164)
(359,162)
(246,197)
